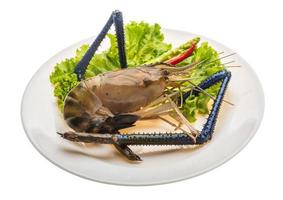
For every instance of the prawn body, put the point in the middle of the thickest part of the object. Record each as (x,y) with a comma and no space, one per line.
(90,106)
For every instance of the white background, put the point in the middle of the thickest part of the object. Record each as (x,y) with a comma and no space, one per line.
(33,31)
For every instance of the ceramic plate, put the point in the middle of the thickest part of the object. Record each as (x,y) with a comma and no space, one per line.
(235,127)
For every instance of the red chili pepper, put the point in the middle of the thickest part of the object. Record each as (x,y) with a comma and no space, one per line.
(177,59)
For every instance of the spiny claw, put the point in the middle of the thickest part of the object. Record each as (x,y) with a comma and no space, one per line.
(72,136)
(88,137)
(127,152)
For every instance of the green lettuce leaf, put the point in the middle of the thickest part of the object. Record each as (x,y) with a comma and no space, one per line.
(199,104)
(63,77)
(144,42)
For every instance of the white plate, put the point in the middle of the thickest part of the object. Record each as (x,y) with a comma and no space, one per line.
(235,127)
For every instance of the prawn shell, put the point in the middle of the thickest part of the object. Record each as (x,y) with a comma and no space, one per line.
(130,89)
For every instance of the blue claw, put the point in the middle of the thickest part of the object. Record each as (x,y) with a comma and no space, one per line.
(118,22)
(209,126)
(117,19)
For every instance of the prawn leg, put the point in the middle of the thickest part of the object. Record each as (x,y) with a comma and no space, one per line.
(126,151)
(208,128)
(116,18)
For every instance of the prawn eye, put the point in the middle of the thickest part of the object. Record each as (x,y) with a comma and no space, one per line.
(147,82)
(165,72)
(93,88)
